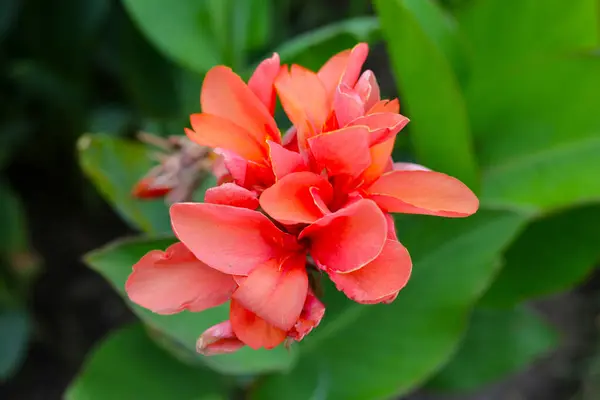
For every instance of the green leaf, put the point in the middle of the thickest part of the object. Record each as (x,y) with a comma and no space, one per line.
(427,83)
(553,254)
(14,336)
(376,352)
(114,165)
(502,33)
(498,343)
(13,233)
(313,48)
(179,29)
(182,330)
(539,150)
(127,365)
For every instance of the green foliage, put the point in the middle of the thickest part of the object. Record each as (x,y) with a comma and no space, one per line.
(434,101)
(115,165)
(127,365)
(14,336)
(497,343)
(374,352)
(182,330)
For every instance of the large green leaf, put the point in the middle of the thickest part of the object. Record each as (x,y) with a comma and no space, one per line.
(13,234)
(127,365)
(505,31)
(114,165)
(498,343)
(374,352)
(539,132)
(180,29)
(14,336)
(181,330)
(428,86)
(552,254)
(313,48)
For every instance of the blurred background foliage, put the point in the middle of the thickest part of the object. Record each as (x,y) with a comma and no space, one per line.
(504,94)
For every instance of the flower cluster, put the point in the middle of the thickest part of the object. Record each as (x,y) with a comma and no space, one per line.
(317,199)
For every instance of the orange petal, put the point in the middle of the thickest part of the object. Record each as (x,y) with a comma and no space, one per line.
(312,313)
(253,330)
(357,58)
(331,72)
(382,106)
(147,188)
(347,105)
(171,281)
(381,157)
(213,131)
(225,94)
(423,192)
(349,238)
(342,152)
(289,200)
(230,239)
(383,126)
(275,291)
(230,194)
(368,89)
(262,82)
(377,280)
(218,339)
(284,161)
(304,100)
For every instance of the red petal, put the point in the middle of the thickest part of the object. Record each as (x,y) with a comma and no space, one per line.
(284,161)
(368,89)
(349,238)
(225,94)
(262,82)
(331,72)
(379,279)
(315,193)
(230,239)
(423,192)
(347,105)
(289,200)
(212,131)
(357,58)
(247,174)
(218,339)
(275,291)
(252,330)
(342,152)
(381,158)
(391,225)
(311,316)
(146,188)
(384,106)
(171,281)
(383,126)
(230,194)
(304,100)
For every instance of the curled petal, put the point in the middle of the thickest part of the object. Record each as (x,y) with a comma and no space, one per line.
(171,281)
(230,194)
(262,81)
(275,291)
(357,58)
(391,225)
(218,339)
(423,192)
(342,152)
(289,200)
(385,106)
(347,239)
(290,139)
(380,278)
(382,126)
(331,72)
(315,193)
(312,313)
(347,105)
(368,89)
(213,131)
(248,174)
(230,239)
(253,330)
(284,161)
(225,94)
